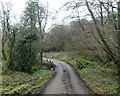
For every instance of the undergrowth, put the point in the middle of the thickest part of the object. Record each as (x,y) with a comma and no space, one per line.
(20,82)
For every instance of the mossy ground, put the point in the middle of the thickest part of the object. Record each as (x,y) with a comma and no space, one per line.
(22,83)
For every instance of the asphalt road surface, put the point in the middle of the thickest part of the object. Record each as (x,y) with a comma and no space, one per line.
(66,81)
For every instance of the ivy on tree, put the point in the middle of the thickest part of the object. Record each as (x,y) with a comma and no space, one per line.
(25,55)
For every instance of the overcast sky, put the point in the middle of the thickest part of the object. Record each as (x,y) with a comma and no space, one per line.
(54,5)
(19,5)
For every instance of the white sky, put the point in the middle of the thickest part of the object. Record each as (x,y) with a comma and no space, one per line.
(54,5)
(18,7)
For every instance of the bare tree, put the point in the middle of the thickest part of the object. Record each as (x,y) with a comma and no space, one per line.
(42,16)
(107,48)
(5,26)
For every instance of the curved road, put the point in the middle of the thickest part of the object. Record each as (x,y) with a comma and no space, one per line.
(66,81)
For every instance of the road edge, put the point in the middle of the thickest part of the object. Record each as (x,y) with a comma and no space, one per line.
(42,89)
(77,73)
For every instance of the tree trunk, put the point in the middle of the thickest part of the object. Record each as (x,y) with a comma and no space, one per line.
(41,39)
(41,50)
(106,46)
(3,52)
(41,55)
(4,38)
(11,51)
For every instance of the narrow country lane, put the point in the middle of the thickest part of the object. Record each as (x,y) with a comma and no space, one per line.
(66,81)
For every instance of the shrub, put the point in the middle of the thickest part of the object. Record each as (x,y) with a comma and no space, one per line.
(24,54)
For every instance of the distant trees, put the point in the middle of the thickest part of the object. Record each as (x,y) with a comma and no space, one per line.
(104,18)
(55,39)
(66,38)
(100,35)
